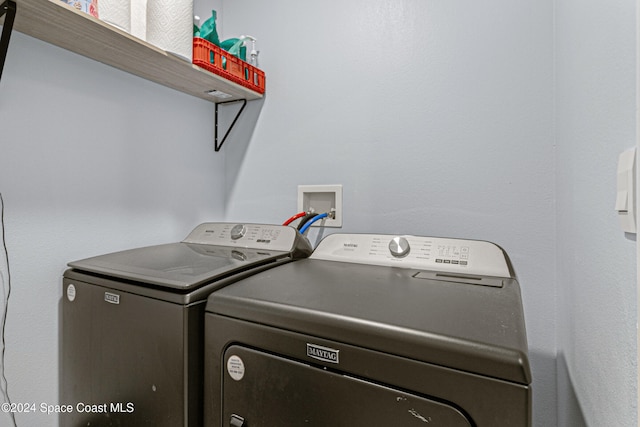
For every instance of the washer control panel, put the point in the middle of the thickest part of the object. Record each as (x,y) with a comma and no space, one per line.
(250,236)
(424,253)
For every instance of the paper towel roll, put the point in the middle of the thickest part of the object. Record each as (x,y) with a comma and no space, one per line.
(139,19)
(170,26)
(117,13)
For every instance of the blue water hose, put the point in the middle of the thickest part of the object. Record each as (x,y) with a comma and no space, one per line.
(312,220)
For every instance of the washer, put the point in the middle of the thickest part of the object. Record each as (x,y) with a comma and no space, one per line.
(371,330)
(132,322)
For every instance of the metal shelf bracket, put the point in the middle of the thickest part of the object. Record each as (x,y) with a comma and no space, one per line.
(8,8)
(244,103)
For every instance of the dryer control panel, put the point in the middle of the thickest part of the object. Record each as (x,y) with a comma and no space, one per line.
(424,253)
(250,236)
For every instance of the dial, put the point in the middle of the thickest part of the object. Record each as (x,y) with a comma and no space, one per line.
(238,231)
(399,247)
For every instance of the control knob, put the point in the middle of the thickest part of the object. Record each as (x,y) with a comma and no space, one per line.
(399,247)
(238,231)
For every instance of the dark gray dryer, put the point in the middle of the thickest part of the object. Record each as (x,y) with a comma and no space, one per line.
(371,330)
(133,322)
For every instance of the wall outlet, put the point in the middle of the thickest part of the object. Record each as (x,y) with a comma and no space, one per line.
(320,199)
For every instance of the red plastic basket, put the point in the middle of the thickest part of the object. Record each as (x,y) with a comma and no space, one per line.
(219,61)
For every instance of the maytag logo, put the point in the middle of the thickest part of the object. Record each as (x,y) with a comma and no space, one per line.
(323,353)
(112,298)
(350,245)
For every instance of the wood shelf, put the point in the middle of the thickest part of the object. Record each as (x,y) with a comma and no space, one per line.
(57,23)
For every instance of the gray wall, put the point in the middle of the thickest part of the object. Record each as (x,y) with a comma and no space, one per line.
(597,298)
(92,160)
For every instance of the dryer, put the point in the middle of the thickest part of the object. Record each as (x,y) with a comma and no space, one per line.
(133,322)
(371,330)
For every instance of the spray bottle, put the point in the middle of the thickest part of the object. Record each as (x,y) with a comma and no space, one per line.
(253,56)
(237,46)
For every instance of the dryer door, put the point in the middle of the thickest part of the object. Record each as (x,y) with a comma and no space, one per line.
(260,390)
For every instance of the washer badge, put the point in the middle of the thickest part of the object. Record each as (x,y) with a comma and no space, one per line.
(71,292)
